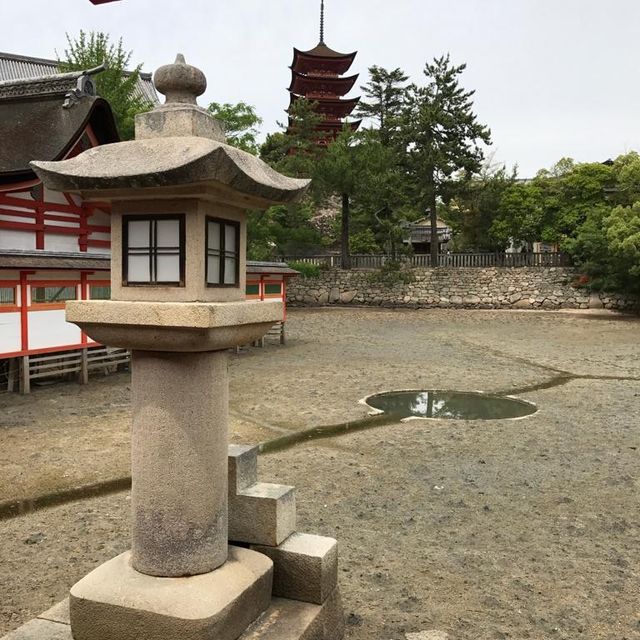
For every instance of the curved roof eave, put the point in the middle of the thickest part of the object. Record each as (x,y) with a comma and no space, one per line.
(346,81)
(36,144)
(170,162)
(322,51)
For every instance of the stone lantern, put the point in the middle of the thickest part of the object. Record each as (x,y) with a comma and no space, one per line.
(179,197)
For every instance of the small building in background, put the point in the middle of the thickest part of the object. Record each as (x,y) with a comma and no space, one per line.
(417,235)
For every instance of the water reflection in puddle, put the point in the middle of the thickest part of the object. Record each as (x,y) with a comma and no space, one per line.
(452,405)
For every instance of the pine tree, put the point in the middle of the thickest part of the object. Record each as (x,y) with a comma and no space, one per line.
(441,135)
(384,94)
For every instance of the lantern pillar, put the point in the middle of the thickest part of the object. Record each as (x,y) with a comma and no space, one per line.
(178,530)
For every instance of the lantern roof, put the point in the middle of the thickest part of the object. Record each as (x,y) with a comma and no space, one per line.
(169,162)
(179,150)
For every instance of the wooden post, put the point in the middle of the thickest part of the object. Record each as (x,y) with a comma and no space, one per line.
(84,367)
(25,379)
(11,378)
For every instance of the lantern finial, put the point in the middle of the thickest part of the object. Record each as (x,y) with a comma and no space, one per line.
(180,82)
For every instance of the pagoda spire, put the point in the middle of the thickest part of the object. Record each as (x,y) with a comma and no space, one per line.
(321,21)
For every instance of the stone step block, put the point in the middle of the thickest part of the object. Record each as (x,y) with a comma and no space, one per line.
(305,567)
(262,514)
(295,620)
(38,629)
(58,613)
(243,467)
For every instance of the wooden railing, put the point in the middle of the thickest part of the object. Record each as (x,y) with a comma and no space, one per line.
(459,260)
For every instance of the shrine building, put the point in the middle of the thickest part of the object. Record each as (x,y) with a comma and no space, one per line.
(53,246)
(319,76)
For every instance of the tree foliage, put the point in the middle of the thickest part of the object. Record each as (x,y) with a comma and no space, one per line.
(384,97)
(241,124)
(472,209)
(441,136)
(117,84)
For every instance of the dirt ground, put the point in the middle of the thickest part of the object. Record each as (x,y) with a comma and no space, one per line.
(486,530)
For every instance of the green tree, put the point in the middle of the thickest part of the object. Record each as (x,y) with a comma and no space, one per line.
(520,216)
(626,172)
(383,198)
(384,97)
(364,173)
(117,84)
(241,124)
(474,207)
(289,230)
(622,227)
(607,248)
(337,172)
(295,150)
(441,135)
(280,231)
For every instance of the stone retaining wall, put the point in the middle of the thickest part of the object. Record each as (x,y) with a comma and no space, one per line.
(491,288)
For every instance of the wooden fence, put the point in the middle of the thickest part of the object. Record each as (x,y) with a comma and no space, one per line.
(459,260)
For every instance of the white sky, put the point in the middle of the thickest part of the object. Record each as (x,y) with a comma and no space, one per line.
(553,78)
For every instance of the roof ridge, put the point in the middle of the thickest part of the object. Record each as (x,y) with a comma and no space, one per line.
(54,63)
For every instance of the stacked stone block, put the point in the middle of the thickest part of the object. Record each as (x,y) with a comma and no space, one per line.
(467,288)
(305,567)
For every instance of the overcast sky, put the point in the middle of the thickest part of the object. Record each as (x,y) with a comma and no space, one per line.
(552,78)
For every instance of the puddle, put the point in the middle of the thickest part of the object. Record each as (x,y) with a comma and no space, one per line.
(452,405)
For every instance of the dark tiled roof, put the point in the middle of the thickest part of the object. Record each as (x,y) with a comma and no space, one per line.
(280,268)
(41,128)
(15,259)
(322,51)
(14,67)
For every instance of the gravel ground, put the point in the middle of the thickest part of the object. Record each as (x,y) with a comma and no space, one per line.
(500,529)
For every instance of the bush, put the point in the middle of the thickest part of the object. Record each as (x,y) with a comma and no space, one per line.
(306,269)
(607,249)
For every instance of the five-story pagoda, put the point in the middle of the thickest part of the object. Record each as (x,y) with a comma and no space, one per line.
(319,76)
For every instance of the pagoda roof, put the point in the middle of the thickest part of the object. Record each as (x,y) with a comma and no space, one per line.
(322,58)
(332,126)
(338,125)
(302,84)
(334,106)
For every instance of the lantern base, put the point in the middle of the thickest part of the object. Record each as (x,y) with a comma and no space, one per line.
(174,326)
(116,601)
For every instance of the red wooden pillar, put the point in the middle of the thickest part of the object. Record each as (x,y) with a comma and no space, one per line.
(40,225)
(83,377)
(24,311)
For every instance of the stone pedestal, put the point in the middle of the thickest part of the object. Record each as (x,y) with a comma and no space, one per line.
(116,602)
(179,462)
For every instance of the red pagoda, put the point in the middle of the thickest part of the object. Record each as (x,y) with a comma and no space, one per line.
(319,76)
